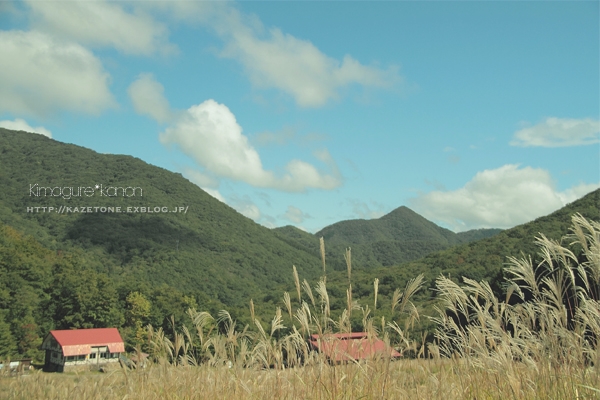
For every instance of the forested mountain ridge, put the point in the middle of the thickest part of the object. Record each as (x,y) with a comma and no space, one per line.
(479,260)
(73,269)
(400,224)
(205,254)
(399,236)
(208,234)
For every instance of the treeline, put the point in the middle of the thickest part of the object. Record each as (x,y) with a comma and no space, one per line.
(211,252)
(42,289)
(62,271)
(482,260)
(397,237)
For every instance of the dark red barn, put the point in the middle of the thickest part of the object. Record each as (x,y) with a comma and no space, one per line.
(342,347)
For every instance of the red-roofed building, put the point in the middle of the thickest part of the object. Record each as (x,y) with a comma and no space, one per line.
(343,347)
(81,347)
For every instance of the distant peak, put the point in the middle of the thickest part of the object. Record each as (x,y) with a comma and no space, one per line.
(402,210)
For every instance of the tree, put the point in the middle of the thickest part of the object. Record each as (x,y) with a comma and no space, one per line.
(7,341)
(82,298)
(138,311)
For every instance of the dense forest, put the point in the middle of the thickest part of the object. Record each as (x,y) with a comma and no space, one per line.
(64,264)
(61,270)
(398,237)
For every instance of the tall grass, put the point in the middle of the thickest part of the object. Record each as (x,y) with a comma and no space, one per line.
(539,341)
(548,322)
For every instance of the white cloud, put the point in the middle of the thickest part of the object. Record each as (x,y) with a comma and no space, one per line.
(39,74)
(216,194)
(21,125)
(201,179)
(205,182)
(246,207)
(498,198)
(210,134)
(363,210)
(267,221)
(295,215)
(295,66)
(147,97)
(102,23)
(559,132)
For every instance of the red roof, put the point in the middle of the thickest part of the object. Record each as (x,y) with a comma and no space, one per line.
(351,346)
(79,341)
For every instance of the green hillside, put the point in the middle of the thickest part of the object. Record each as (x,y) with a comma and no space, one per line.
(64,268)
(485,258)
(400,224)
(480,260)
(211,253)
(397,237)
(477,234)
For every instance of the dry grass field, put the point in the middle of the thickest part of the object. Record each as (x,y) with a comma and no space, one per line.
(539,342)
(403,379)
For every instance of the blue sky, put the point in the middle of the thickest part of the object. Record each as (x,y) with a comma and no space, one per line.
(473,114)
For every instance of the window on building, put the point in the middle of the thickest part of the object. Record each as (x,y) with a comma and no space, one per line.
(92,356)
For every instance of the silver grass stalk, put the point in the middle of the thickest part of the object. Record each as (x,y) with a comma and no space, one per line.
(401,299)
(322,247)
(308,291)
(321,289)
(348,258)
(297,283)
(376,289)
(277,322)
(349,301)
(288,303)
(304,317)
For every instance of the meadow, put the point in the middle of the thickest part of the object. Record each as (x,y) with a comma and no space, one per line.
(404,379)
(540,341)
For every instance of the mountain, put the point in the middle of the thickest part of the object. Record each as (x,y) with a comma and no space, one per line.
(479,260)
(400,224)
(473,255)
(477,234)
(206,250)
(96,240)
(397,237)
